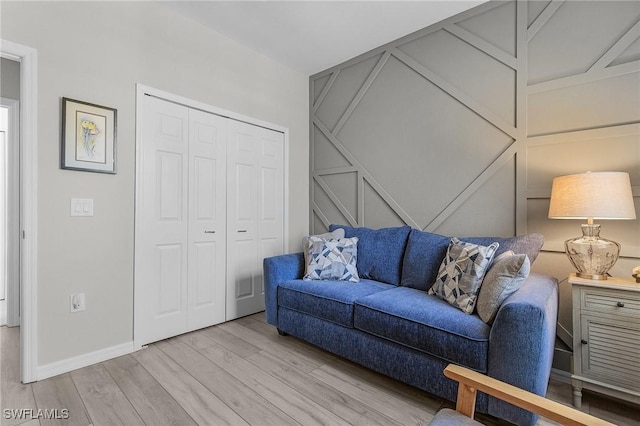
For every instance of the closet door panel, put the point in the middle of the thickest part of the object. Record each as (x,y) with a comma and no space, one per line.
(207,219)
(256,213)
(242,220)
(271,200)
(161,254)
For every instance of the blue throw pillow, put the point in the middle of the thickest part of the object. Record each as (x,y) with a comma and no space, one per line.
(380,251)
(422,259)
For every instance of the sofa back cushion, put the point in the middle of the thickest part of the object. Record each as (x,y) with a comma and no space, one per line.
(422,259)
(380,252)
(426,250)
(529,244)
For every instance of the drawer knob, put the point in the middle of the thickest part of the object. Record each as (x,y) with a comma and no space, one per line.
(620,305)
(584,342)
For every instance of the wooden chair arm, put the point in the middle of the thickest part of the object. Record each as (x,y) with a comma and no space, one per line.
(471,381)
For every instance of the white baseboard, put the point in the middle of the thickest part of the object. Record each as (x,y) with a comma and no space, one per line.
(70,364)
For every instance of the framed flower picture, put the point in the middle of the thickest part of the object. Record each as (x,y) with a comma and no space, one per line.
(88,137)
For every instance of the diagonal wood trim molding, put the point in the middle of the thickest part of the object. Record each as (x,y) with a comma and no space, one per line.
(326,90)
(483,46)
(472,188)
(366,175)
(334,198)
(459,95)
(623,43)
(363,89)
(542,19)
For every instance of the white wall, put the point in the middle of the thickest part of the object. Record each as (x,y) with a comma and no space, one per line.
(97,52)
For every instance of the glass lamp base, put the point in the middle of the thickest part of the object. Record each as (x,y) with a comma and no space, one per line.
(591,255)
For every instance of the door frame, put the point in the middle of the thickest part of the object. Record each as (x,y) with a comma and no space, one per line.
(143,90)
(27,57)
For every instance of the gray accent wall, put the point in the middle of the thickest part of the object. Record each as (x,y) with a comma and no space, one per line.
(434,130)
(460,128)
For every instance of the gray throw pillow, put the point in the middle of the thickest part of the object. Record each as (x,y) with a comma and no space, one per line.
(502,280)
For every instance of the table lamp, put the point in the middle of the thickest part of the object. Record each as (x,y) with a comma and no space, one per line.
(597,195)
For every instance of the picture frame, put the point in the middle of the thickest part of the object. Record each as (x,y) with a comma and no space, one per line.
(88,140)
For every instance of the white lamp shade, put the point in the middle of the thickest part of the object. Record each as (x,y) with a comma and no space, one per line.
(598,195)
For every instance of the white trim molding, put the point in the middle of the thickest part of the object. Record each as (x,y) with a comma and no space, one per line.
(80,361)
(27,57)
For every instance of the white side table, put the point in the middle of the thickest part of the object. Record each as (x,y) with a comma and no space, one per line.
(606,338)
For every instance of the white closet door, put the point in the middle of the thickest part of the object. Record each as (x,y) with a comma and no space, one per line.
(255,203)
(209,208)
(207,219)
(161,247)
(271,199)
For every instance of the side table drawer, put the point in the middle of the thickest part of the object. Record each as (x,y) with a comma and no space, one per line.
(612,302)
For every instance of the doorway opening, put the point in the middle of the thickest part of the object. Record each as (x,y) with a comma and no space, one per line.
(9,213)
(25,160)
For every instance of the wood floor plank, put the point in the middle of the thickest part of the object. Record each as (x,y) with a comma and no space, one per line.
(13,394)
(300,346)
(251,318)
(398,408)
(342,404)
(230,341)
(252,407)
(149,398)
(396,387)
(103,399)
(299,407)
(202,405)
(60,393)
(294,351)
(195,339)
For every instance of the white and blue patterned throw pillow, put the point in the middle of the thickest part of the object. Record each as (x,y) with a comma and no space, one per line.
(461,273)
(332,259)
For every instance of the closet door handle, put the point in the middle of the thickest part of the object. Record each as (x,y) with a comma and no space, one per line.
(242,230)
(620,305)
(584,342)
(209,232)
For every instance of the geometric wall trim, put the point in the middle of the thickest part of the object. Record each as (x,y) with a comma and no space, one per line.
(437,130)
(408,133)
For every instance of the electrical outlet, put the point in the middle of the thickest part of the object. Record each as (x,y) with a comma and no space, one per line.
(78,302)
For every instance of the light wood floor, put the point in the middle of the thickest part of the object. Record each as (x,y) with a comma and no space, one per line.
(238,373)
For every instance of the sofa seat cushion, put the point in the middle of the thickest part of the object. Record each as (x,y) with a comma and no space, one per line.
(328,300)
(413,318)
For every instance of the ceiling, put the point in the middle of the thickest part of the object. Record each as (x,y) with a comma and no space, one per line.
(311,36)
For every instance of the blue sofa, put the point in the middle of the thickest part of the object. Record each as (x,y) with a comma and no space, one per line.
(388,322)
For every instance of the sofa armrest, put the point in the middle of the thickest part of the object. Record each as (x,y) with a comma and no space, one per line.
(522,341)
(276,270)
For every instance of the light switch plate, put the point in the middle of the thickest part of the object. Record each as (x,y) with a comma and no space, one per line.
(82,207)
